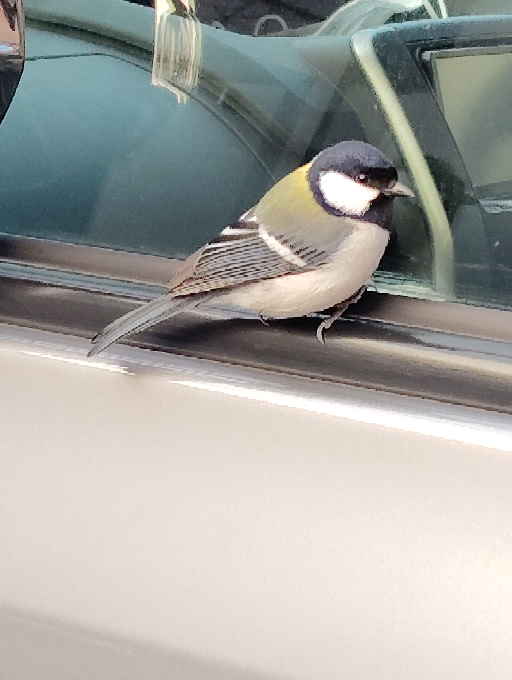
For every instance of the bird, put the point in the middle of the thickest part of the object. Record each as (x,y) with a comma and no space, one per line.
(308,245)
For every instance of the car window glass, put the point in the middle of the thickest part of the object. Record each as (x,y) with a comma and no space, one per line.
(94,153)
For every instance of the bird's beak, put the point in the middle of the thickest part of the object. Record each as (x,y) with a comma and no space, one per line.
(399,189)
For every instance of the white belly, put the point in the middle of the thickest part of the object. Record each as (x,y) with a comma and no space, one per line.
(312,291)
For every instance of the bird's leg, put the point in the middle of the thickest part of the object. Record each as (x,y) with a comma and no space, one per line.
(340,308)
(264,320)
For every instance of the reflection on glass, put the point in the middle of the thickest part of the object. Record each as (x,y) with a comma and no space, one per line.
(177,51)
(475,89)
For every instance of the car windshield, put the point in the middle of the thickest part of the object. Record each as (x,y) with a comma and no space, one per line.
(149,129)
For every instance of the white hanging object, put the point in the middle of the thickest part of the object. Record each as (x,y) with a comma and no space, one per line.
(178,47)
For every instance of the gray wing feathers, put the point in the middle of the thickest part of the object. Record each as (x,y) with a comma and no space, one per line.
(231,263)
(143,317)
(228,263)
(243,253)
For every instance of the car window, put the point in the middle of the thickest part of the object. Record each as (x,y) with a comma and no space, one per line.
(117,140)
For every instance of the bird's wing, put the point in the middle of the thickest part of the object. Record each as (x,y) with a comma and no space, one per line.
(245,251)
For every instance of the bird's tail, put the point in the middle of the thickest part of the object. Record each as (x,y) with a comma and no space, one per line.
(143,317)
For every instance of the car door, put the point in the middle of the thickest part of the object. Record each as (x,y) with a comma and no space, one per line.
(216,498)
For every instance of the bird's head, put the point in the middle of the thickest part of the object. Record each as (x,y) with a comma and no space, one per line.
(353,179)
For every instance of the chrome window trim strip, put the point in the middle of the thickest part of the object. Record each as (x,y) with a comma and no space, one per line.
(85,259)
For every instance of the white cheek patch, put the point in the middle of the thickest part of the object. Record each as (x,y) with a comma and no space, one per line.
(344,194)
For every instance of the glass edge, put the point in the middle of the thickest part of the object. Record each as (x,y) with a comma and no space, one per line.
(427,193)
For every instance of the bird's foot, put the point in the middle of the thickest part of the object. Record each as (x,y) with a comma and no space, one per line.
(340,308)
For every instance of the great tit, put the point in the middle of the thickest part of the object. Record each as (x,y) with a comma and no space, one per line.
(309,244)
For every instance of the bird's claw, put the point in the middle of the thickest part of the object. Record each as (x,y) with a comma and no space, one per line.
(320,331)
(340,308)
(327,323)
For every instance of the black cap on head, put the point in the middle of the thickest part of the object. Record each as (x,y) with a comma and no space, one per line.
(359,161)
(354,159)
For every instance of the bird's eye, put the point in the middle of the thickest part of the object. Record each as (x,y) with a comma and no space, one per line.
(362,177)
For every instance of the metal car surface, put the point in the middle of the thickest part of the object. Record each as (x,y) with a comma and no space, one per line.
(218,499)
